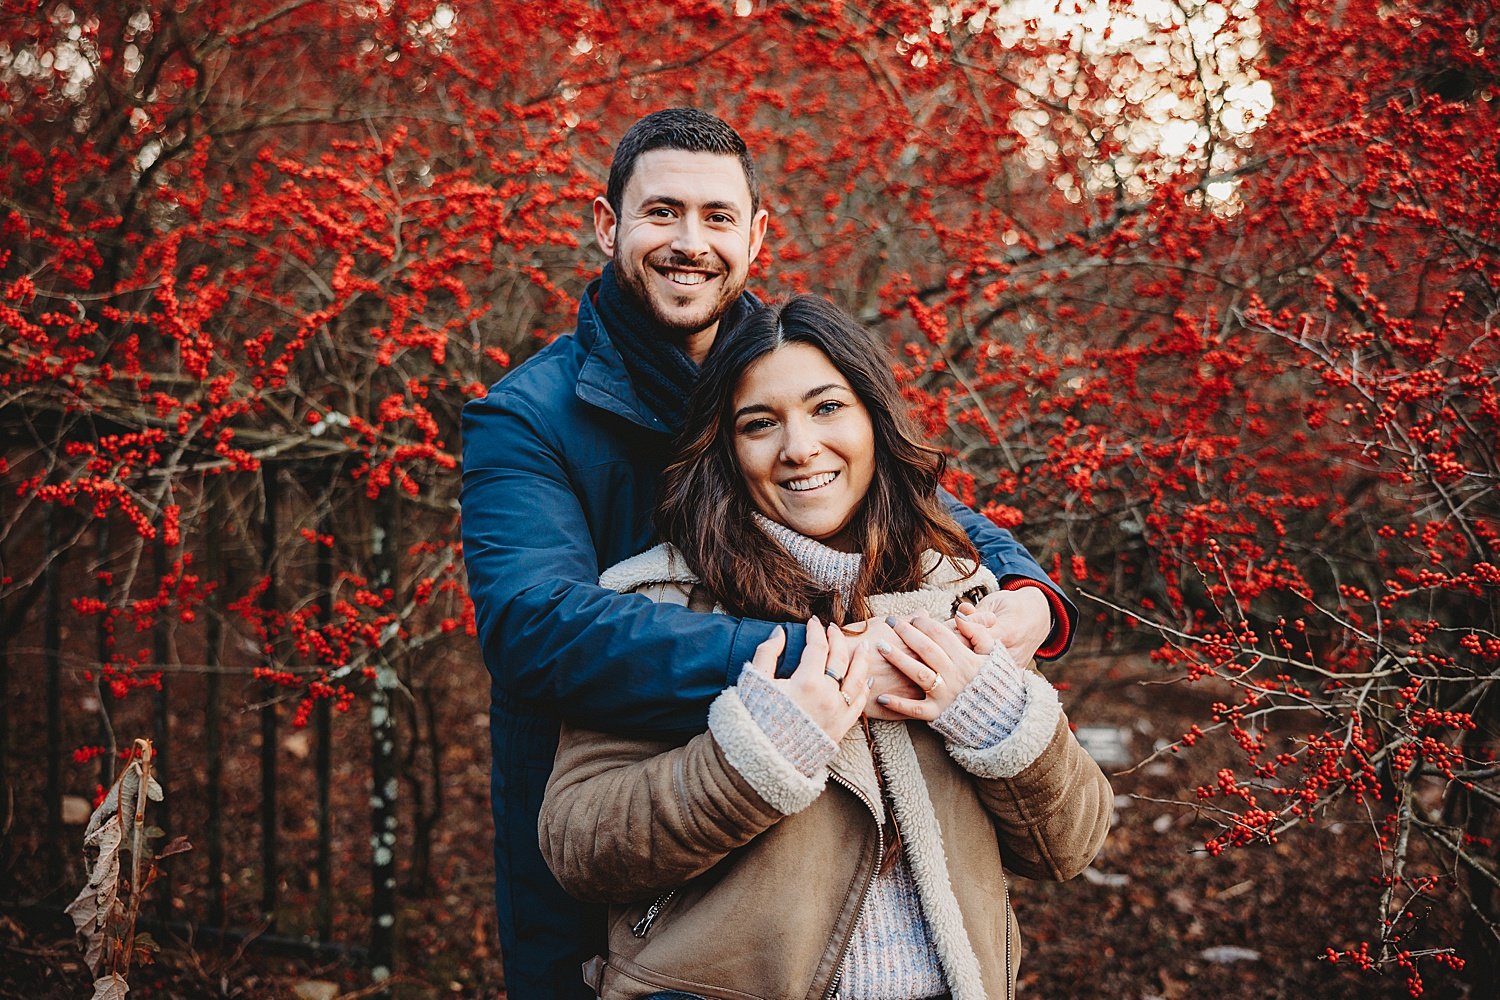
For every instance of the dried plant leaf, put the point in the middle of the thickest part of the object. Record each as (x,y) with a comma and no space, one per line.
(99,900)
(110,987)
(99,913)
(177,845)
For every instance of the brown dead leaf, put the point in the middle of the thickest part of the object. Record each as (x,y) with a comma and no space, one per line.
(110,987)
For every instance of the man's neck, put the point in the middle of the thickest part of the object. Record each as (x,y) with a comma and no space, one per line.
(697,345)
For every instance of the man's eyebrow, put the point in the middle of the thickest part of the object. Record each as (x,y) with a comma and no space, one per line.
(809,394)
(678,203)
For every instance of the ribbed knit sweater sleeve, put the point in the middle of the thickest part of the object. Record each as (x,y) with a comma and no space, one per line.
(791,731)
(989,708)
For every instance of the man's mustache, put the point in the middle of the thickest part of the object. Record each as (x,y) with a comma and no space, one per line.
(706,262)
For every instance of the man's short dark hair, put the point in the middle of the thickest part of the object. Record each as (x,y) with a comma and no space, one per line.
(687,129)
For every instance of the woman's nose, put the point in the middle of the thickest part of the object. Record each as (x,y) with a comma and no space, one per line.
(799,446)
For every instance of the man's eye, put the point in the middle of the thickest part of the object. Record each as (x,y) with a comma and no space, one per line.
(720,219)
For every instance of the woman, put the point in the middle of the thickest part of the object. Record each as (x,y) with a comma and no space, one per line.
(796,849)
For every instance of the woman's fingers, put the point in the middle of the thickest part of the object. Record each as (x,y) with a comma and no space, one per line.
(921,661)
(944,642)
(769,651)
(857,680)
(920,709)
(940,663)
(815,652)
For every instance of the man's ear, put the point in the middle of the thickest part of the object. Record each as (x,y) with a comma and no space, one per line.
(604,225)
(757,232)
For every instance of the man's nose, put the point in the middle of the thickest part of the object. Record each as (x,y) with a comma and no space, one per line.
(690,239)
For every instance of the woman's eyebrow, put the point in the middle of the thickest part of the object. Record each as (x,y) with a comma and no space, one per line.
(809,394)
(764,408)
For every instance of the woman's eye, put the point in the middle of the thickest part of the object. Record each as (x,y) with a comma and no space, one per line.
(829,406)
(752,426)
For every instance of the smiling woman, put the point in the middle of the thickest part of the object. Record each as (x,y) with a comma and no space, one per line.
(796,849)
(804,443)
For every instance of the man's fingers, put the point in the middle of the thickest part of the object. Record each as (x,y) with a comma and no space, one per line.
(768,651)
(975,634)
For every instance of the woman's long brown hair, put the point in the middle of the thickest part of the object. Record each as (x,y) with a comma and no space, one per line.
(705,509)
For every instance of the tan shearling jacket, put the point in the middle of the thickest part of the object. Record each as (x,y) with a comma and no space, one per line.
(730,874)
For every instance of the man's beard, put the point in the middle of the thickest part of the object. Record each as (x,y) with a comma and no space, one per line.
(638,286)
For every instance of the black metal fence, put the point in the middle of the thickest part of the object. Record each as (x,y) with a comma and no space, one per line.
(296,829)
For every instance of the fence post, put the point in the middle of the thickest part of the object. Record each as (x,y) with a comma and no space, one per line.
(268,543)
(385,549)
(323,722)
(162,758)
(52,652)
(212,734)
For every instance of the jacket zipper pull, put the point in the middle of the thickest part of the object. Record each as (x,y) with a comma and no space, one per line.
(642,927)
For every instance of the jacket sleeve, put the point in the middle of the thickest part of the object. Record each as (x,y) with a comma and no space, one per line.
(550,635)
(1007,559)
(1050,800)
(627,818)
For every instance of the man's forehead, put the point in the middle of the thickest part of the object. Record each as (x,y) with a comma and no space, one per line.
(699,180)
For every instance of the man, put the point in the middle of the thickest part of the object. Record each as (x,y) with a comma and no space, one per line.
(561,467)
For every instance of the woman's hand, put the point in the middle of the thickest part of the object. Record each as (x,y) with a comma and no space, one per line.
(936,659)
(831,682)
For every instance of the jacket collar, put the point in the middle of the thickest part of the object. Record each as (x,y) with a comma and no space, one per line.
(603,380)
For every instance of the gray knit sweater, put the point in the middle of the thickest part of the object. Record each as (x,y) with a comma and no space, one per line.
(891,956)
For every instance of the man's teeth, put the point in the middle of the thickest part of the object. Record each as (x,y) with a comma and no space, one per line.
(811,482)
(681,278)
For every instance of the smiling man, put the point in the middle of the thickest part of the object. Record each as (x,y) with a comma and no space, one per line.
(562,463)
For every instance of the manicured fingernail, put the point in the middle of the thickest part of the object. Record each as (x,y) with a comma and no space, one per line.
(869,683)
(890,620)
(884,699)
(883,646)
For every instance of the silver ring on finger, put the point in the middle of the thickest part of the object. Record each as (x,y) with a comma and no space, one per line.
(833,677)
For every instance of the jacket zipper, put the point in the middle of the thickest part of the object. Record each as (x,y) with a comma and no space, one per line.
(642,927)
(838,973)
(1010,988)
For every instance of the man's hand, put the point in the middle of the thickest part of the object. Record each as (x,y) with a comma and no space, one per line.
(1020,620)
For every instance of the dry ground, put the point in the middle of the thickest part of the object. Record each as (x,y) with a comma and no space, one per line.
(1151,920)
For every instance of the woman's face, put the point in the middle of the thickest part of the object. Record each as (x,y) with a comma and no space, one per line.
(804,443)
